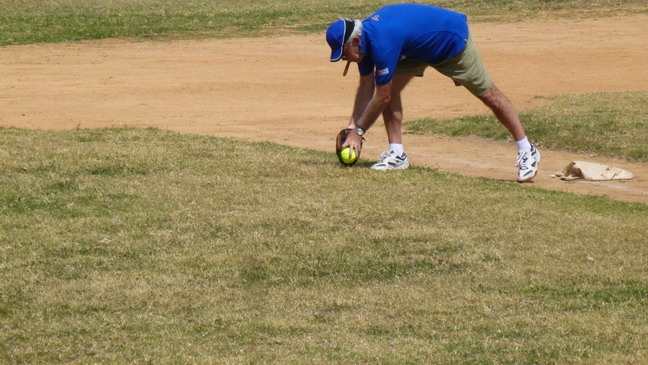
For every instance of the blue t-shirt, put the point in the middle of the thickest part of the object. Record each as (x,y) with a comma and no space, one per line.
(413,31)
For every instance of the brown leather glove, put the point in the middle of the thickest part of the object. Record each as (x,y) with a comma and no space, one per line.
(339,141)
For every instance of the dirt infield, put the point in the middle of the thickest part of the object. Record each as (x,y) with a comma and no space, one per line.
(284,89)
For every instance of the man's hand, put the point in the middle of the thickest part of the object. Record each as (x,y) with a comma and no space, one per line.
(346,139)
(353,141)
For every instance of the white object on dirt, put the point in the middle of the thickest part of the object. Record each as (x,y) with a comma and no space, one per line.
(591,171)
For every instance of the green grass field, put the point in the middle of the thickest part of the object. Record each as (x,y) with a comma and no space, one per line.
(134,245)
(30,21)
(145,246)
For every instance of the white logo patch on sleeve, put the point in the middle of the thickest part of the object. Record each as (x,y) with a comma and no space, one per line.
(383,72)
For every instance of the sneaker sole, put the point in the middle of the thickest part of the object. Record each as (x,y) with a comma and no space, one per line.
(528,179)
(389,168)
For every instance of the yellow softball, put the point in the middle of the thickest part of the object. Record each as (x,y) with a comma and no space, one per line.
(348,155)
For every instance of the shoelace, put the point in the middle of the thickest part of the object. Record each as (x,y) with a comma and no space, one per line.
(384,156)
(523,160)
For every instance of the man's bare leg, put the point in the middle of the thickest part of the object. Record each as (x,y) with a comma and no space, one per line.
(504,111)
(393,118)
(393,112)
(528,156)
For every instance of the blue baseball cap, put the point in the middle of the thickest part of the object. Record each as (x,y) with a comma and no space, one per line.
(337,34)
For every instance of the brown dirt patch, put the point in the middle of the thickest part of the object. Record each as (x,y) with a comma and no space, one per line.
(284,90)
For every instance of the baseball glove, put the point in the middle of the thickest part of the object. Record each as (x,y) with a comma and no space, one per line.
(339,141)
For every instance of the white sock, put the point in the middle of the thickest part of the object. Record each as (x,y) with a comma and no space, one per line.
(397,148)
(523,144)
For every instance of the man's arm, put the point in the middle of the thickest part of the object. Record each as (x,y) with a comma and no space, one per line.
(363,97)
(371,112)
(378,102)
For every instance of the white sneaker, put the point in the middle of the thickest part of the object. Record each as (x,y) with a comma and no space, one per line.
(528,162)
(390,161)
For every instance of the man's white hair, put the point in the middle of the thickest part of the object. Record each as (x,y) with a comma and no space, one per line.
(357,30)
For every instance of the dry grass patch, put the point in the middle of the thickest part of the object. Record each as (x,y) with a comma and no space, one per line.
(128,245)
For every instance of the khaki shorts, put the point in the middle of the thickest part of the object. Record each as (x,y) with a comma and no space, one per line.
(465,69)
